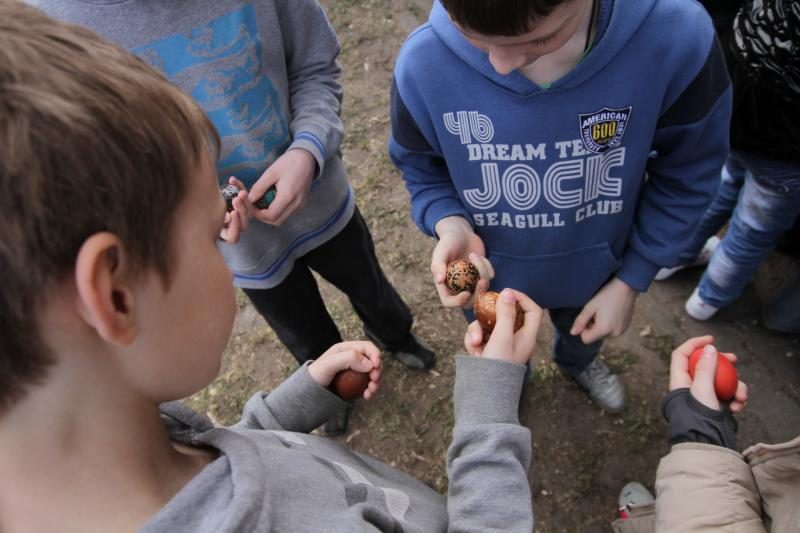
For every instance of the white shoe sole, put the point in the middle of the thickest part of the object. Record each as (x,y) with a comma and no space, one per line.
(702,259)
(698,309)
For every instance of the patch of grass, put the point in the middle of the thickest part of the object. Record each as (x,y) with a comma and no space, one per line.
(641,425)
(620,360)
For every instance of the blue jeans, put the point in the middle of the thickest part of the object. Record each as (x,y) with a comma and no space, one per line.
(569,351)
(764,197)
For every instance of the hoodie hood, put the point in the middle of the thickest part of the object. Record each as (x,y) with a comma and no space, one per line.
(613,33)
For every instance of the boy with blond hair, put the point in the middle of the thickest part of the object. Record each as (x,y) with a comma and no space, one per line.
(115,299)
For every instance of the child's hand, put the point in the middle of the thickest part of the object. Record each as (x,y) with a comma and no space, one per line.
(361,356)
(458,241)
(292,174)
(608,313)
(237,221)
(702,387)
(503,342)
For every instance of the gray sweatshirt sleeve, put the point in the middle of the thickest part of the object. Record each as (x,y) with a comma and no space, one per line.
(489,458)
(315,93)
(298,404)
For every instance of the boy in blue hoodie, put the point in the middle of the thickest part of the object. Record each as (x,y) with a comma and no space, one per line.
(568,146)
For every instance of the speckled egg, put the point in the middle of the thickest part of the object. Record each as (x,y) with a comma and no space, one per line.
(229,192)
(461,276)
(485,312)
(350,385)
(269,196)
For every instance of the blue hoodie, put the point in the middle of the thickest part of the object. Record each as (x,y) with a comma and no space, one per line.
(605,172)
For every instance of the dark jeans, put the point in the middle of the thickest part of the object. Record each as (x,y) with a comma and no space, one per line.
(297,313)
(569,351)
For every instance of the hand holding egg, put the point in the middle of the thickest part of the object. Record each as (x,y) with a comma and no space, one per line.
(710,375)
(351,369)
(485,312)
(725,379)
(506,328)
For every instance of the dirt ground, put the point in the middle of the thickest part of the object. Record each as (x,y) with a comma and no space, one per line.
(582,456)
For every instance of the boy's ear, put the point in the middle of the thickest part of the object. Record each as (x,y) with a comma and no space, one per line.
(105,290)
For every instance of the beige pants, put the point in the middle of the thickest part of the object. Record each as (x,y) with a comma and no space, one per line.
(641,519)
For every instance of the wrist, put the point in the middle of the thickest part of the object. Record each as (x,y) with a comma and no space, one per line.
(303,160)
(625,287)
(320,375)
(691,421)
(452,224)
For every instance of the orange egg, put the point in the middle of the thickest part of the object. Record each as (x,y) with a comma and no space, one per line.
(484,308)
(725,380)
(350,385)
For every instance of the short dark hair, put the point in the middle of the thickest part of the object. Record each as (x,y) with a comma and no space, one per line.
(91,139)
(499,17)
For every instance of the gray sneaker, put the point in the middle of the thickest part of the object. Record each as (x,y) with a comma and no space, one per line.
(604,388)
(634,494)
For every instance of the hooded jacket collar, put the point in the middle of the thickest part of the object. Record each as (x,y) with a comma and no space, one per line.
(618,21)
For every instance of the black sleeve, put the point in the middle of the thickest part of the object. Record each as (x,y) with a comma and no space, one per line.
(691,421)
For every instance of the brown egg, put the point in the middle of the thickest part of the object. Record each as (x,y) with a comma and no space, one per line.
(461,276)
(485,312)
(350,385)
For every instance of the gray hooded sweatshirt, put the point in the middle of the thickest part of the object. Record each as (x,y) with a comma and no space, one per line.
(272,476)
(265,72)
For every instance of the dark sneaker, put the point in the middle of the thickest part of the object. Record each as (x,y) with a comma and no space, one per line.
(337,424)
(604,388)
(413,353)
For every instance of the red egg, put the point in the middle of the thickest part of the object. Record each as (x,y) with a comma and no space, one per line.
(725,380)
(350,385)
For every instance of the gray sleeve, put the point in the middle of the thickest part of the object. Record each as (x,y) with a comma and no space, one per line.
(489,458)
(314,91)
(298,404)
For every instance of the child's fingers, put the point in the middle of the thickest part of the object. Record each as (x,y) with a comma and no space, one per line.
(702,387)
(452,300)
(473,339)
(230,233)
(240,207)
(484,266)
(740,398)
(482,286)
(594,331)
(729,356)
(371,390)
(366,348)
(233,180)
(376,374)
(259,188)
(742,393)
(439,260)
(525,338)
(582,320)
(679,363)
(501,341)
